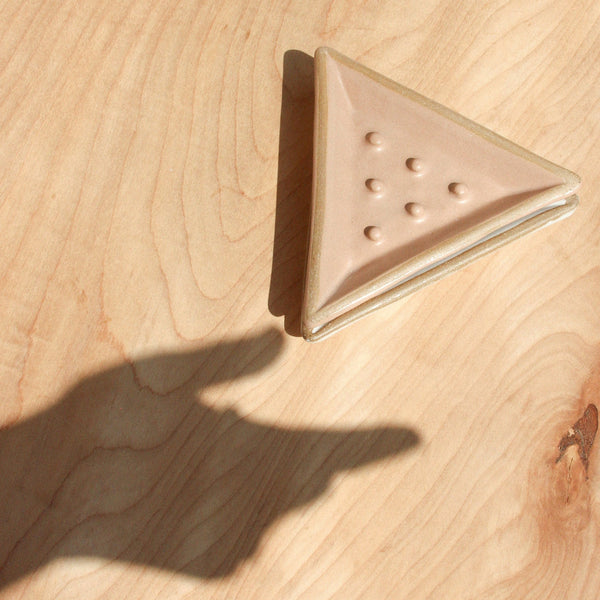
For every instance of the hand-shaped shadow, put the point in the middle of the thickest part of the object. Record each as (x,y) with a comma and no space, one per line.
(119,470)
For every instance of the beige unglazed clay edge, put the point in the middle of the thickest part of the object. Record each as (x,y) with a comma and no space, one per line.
(312,313)
(437,272)
(318,194)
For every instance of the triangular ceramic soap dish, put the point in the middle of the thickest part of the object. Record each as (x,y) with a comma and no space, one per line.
(406,191)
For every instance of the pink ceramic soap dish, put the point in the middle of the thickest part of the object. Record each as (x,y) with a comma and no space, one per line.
(405,191)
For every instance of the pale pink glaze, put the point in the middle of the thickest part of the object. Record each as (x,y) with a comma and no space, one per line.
(455,180)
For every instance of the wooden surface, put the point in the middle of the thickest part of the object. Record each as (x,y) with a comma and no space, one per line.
(165,433)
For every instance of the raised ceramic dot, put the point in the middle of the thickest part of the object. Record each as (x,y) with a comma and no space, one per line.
(416,165)
(374,234)
(374,185)
(458,189)
(374,138)
(415,210)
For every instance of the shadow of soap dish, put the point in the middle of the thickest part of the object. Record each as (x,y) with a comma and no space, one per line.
(406,191)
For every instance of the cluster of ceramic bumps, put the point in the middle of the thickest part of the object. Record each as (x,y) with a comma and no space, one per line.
(414,209)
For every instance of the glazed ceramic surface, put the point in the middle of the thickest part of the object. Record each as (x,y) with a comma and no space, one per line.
(406,190)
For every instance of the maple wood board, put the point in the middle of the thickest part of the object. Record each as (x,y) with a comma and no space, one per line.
(166,433)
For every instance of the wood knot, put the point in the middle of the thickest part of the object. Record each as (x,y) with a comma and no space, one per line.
(582,434)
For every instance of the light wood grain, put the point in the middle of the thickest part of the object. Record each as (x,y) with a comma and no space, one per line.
(165,433)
